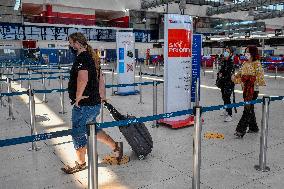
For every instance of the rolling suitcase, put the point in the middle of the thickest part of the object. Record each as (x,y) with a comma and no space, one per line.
(136,134)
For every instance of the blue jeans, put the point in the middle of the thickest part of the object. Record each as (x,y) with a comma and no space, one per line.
(81,116)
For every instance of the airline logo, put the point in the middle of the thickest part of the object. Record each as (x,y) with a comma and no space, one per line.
(179,22)
(179,43)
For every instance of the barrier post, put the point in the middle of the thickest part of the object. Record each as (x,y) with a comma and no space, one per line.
(204,68)
(213,70)
(21,81)
(263,136)
(50,70)
(10,101)
(32,118)
(155,96)
(92,157)
(163,97)
(105,82)
(44,99)
(42,76)
(29,77)
(140,86)
(62,95)
(276,71)
(134,72)
(197,110)
(1,87)
(197,92)
(112,81)
(102,104)
(12,72)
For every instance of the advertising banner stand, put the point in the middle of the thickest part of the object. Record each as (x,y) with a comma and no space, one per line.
(177,70)
(125,62)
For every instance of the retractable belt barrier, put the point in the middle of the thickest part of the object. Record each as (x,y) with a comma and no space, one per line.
(45,72)
(45,136)
(13,93)
(36,73)
(155,75)
(133,84)
(67,77)
(38,67)
(275,63)
(63,90)
(35,78)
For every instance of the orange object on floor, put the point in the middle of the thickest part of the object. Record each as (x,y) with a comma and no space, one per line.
(110,159)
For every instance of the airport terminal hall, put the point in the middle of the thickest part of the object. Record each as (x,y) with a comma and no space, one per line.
(141,94)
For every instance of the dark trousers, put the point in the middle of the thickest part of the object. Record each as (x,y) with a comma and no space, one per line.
(248,119)
(226,96)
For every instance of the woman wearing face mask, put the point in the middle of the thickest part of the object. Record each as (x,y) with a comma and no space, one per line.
(225,83)
(86,90)
(250,76)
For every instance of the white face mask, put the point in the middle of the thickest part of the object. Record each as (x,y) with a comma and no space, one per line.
(248,56)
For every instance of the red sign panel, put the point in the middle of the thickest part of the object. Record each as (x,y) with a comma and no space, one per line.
(179,43)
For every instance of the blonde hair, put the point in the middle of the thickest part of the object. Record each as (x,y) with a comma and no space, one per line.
(80,38)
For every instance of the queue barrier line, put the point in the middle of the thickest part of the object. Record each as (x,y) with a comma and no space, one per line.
(36,73)
(63,90)
(155,75)
(45,136)
(13,94)
(133,84)
(275,98)
(34,138)
(49,91)
(45,72)
(63,66)
(34,79)
(219,107)
(275,63)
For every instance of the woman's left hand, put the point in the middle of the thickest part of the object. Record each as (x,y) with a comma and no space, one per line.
(79,99)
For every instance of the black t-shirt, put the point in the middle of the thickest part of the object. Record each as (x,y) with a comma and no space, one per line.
(84,61)
(227,70)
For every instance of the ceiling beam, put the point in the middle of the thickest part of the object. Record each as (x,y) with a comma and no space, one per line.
(146,4)
(246,5)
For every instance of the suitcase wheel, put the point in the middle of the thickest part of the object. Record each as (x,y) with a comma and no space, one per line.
(141,157)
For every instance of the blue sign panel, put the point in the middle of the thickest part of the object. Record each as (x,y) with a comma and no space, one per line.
(121,67)
(196,62)
(121,54)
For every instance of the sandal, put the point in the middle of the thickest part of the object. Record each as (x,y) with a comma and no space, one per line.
(78,167)
(118,151)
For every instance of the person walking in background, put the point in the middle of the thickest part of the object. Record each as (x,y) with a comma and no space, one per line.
(250,76)
(236,61)
(224,81)
(86,90)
